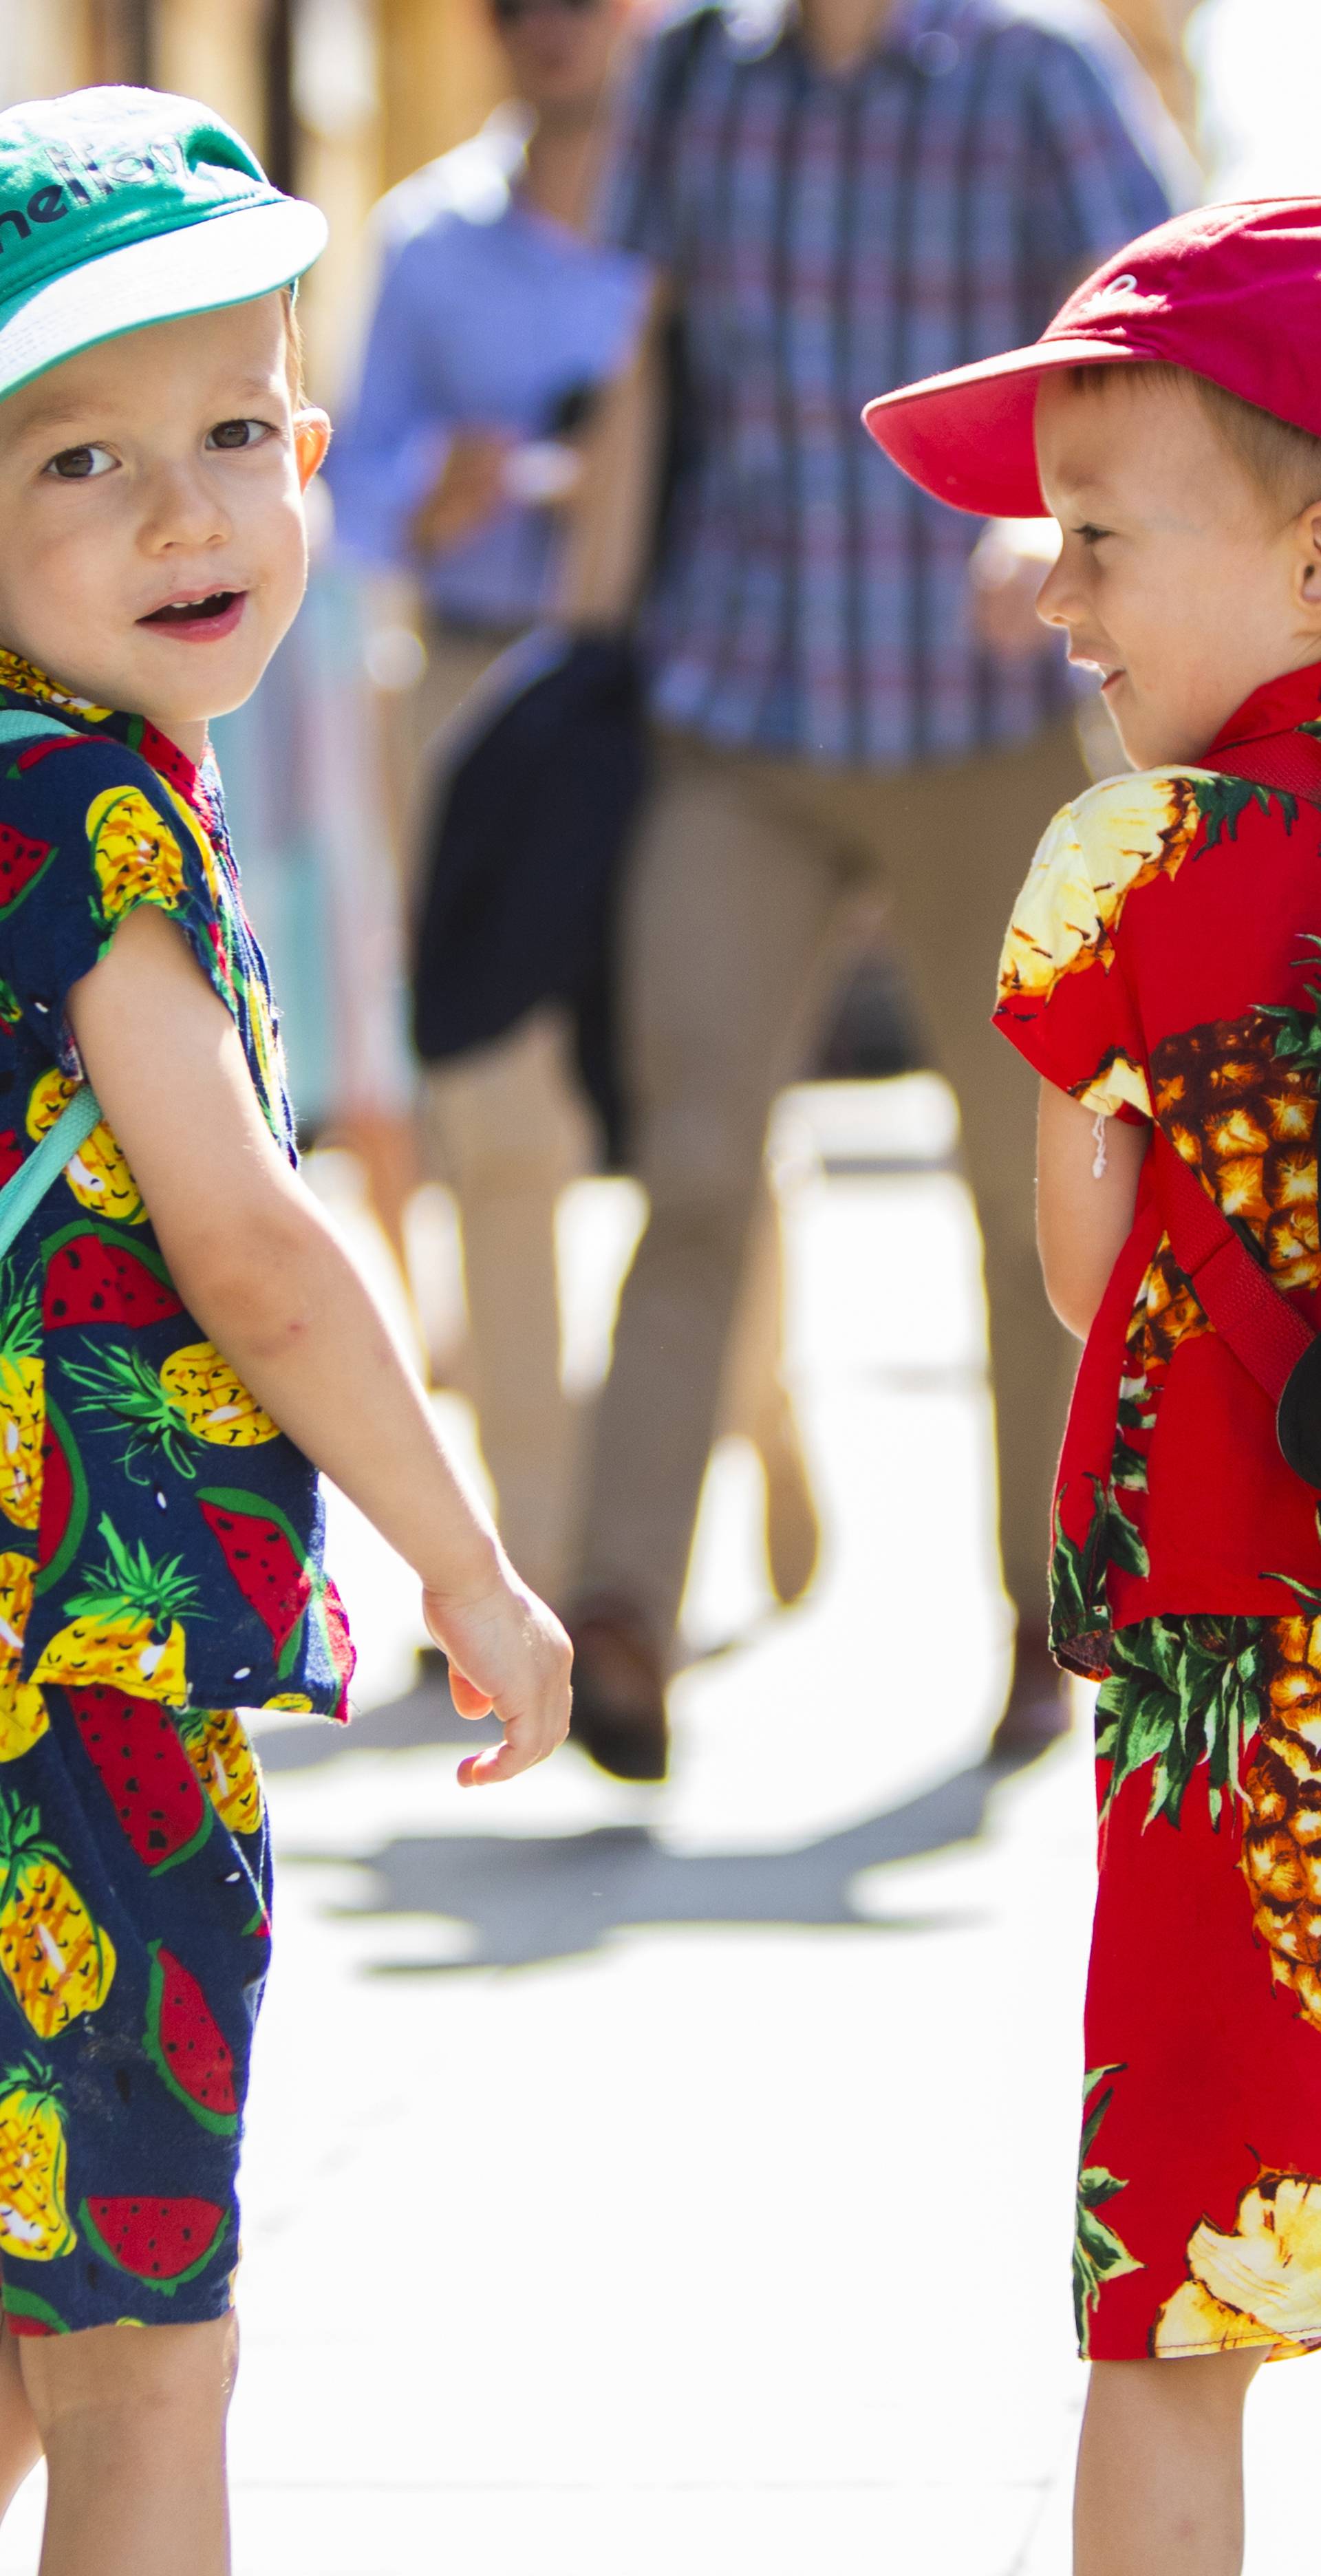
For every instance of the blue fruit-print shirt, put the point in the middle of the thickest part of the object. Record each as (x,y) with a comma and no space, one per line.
(158,1532)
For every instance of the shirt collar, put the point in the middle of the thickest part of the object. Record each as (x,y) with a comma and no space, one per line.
(22,686)
(926,34)
(1279,706)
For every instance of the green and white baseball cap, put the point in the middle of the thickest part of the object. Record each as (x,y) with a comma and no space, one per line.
(120,207)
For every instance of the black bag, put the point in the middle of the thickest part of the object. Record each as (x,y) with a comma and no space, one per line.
(525,854)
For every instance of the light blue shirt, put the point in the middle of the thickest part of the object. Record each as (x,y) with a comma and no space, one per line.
(489,315)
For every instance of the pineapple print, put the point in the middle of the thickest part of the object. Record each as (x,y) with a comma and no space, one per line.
(23,1715)
(1068,912)
(125,1627)
(218,1747)
(97,1174)
(22,1404)
(1165,1313)
(194,1396)
(1098,854)
(1259,2282)
(1243,1696)
(136,856)
(1243,1115)
(199,841)
(1098,2254)
(1282,1833)
(15,673)
(214,1402)
(58,1961)
(34,2219)
(270,1053)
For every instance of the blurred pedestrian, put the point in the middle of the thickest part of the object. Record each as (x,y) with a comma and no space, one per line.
(832,197)
(1159,975)
(496,326)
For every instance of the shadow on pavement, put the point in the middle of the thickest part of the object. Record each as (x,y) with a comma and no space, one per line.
(557,1896)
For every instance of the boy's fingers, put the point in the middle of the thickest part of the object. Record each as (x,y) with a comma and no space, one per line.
(468,1700)
(526,1742)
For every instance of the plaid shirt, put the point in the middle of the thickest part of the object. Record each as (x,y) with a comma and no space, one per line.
(828,237)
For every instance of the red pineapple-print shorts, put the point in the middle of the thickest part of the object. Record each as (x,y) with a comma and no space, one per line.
(1199,2188)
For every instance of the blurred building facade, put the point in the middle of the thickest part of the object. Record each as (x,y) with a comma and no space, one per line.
(339,97)
(343,97)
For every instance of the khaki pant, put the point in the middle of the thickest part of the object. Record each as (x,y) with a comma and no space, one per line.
(506,1128)
(739,873)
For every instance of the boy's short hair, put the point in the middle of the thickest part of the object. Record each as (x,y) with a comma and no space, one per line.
(294,358)
(1283,462)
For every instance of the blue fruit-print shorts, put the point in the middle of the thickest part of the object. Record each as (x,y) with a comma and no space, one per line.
(134,1944)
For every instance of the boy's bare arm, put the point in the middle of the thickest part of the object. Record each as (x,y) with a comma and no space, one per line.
(1083,1218)
(256,1261)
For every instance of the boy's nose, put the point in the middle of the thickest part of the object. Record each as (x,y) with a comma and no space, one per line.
(183,509)
(1052,596)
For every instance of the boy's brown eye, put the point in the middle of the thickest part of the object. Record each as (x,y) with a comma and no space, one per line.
(237,433)
(80,464)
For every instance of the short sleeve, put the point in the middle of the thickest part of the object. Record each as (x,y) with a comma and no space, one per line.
(88,831)
(1064,1000)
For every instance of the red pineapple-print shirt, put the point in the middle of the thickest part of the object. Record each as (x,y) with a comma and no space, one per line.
(1164,963)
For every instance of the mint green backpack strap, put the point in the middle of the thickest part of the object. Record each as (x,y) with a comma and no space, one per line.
(17,728)
(22,1195)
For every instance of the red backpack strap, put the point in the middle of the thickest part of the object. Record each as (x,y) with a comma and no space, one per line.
(1291,761)
(1263,1329)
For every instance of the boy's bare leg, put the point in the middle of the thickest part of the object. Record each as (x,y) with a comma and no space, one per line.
(20,2442)
(1160,2469)
(132,2421)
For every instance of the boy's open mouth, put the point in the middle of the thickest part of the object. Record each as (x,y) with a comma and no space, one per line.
(216,613)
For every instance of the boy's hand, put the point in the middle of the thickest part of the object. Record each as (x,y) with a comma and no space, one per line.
(506,1652)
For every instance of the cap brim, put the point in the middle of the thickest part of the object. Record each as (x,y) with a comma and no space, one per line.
(967,436)
(225,259)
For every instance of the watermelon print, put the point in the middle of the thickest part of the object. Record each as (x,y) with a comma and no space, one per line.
(26,2314)
(157,1796)
(263,1556)
(161,2242)
(132,821)
(334,1622)
(96,1275)
(186,2045)
(23,862)
(137,1925)
(64,1500)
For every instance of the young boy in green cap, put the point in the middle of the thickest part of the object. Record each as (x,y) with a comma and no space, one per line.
(182,1342)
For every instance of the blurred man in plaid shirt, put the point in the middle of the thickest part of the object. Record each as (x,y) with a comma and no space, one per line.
(836,199)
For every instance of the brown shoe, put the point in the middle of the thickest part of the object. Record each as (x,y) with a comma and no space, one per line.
(618,1693)
(1039,1712)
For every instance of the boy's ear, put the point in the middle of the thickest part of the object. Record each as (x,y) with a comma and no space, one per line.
(1308,575)
(311,439)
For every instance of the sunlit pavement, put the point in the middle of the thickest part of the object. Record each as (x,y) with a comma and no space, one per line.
(681,2181)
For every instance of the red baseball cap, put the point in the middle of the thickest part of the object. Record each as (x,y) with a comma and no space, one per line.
(1232,292)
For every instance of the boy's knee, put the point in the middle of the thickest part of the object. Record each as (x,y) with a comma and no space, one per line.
(128,2381)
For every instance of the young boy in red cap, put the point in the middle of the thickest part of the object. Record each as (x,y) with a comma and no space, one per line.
(1162,973)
